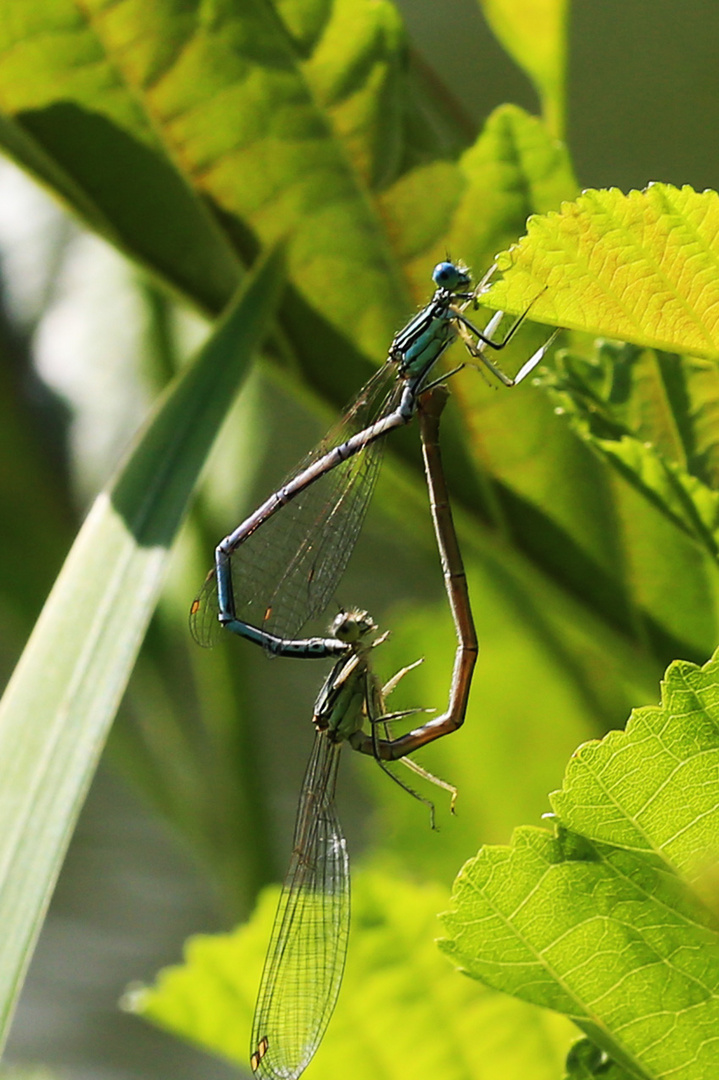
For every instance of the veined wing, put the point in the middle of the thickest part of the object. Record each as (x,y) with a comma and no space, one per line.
(286,572)
(316,538)
(306,957)
(204,622)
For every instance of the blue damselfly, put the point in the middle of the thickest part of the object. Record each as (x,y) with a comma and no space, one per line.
(289,574)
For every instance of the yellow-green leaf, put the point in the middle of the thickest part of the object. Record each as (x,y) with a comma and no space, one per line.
(477,205)
(402,1011)
(230,129)
(607,921)
(642,267)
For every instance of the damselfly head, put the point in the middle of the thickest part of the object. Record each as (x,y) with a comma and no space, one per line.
(451,276)
(352,626)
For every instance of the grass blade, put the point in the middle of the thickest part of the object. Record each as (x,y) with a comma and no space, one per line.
(62,698)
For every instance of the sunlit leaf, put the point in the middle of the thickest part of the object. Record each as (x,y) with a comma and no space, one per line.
(62,698)
(216,129)
(607,920)
(474,207)
(640,267)
(535,33)
(402,1010)
(514,169)
(246,124)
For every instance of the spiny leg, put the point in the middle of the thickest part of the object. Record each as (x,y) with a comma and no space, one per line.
(374,709)
(393,682)
(478,352)
(486,340)
(387,718)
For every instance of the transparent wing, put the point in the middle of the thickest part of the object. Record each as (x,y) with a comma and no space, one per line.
(310,542)
(306,957)
(204,623)
(286,572)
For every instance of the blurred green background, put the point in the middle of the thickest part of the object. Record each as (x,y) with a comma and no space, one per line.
(192,810)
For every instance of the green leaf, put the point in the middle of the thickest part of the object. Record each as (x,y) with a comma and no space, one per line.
(62,698)
(475,206)
(641,267)
(585,1061)
(534,32)
(402,1010)
(243,128)
(611,921)
(514,169)
(653,417)
(246,123)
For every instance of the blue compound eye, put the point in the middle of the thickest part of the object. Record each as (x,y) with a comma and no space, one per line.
(450,277)
(445,274)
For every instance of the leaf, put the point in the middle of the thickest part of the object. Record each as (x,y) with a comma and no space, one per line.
(514,169)
(402,1010)
(63,695)
(610,921)
(585,1061)
(641,267)
(477,205)
(653,417)
(534,32)
(246,125)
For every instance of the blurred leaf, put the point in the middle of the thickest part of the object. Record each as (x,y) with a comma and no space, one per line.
(189,735)
(27,1072)
(514,169)
(586,1061)
(475,206)
(243,124)
(402,1010)
(604,921)
(534,32)
(653,417)
(63,695)
(641,267)
(38,520)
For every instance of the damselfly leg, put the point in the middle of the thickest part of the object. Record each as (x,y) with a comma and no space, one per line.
(457,593)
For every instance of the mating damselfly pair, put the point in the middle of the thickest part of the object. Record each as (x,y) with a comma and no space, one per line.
(278,570)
